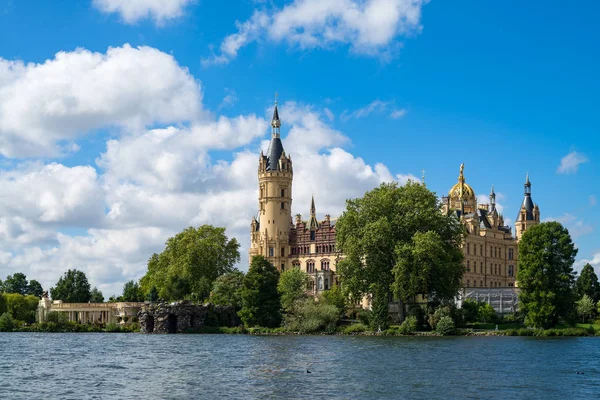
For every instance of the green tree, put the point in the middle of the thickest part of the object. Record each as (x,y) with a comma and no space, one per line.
(396,238)
(545,274)
(260,299)
(486,313)
(35,288)
(587,283)
(96,296)
(7,322)
(292,287)
(2,304)
(16,283)
(471,310)
(190,263)
(21,308)
(72,287)
(132,292)
(227,290)
(152,295)
(335,297)
(585,307)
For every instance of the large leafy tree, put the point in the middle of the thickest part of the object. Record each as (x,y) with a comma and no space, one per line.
(545,274)
(260,299)
(96,296)
(35,288)
(292,287)
(587,283)
(396,239)
(72,287)
(132,292)
(585,307)
(190,263)
(227,289)
(16,283)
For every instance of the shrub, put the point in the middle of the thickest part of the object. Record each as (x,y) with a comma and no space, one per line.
(309,316)
(354,328)
(445,326)
(364,316)
(470,308)
(415,310)
(7,323)
(57,317)
(113,328)
(409,326)
(486,313)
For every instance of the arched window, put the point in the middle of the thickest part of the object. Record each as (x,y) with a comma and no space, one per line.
(324,265)
(320,283)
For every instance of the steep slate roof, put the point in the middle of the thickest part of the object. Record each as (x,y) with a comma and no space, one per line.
(274,154)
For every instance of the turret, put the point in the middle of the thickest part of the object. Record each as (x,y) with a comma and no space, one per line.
(529,214)
(275,175)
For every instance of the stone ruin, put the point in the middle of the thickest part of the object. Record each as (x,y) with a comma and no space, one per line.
(184,316)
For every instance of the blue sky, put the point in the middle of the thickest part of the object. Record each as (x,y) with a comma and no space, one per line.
(367,94)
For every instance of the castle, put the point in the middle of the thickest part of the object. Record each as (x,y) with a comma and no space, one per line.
(490,249)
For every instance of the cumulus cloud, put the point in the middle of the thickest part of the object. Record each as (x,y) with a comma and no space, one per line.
(569,164)
(45,105)
(369,27)
(132,11)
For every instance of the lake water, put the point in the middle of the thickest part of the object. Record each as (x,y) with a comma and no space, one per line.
(127,366)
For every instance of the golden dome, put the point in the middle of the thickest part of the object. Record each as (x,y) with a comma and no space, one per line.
(462,190)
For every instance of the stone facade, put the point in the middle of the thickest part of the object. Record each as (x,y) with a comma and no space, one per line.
(490,249)
(90,313)
(181,317)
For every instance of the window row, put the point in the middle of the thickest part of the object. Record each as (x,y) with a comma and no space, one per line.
(329,248)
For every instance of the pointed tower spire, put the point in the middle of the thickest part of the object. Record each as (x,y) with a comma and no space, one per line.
(493,200)
(423,177)
(275,122)
(313,223)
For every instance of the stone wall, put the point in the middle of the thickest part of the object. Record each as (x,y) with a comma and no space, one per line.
(184,316)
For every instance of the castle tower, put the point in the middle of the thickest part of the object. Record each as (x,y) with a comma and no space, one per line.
(529,214)
(270,233)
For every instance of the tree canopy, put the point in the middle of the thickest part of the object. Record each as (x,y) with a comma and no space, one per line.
(96,296)
(292,287)
(227,289)
(545,274)
(16,283)
(260,299)
(72,287)
(190,263)
(587,283)
(396,238)
(132,292)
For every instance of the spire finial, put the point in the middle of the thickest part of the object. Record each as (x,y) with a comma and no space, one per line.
(313,209)
(527,178)
(275,122)
(423,177)
(276,96)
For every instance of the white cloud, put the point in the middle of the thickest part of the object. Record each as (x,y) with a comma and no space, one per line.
(134,10)
(45,105)
(577,227)
(369,27)
(52,194)
(570,163)
(229,99)
(376,106)
(594,261)
(397,114)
